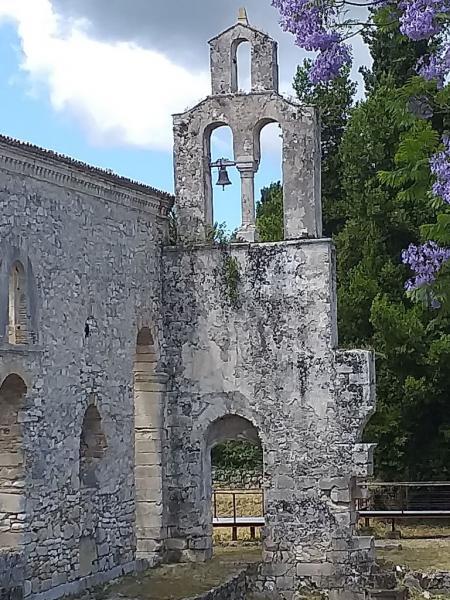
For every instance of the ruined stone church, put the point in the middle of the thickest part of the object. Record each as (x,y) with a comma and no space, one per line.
(125,356)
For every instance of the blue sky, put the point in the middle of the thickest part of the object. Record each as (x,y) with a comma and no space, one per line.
(87,87)
(29,116)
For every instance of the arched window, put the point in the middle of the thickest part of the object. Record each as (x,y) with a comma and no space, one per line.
(241,66)
(92,447)
(12,394)
(145,348)
(269,181)
(18,330)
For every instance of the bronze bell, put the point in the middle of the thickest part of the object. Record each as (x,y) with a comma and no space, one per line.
(223,179)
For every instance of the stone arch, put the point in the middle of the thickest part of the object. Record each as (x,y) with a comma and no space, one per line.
(93,445)
(229,427)
(259,126)
(149,389)
(236,63)
(18,310)
(12,464)
(207,171)
(269,152)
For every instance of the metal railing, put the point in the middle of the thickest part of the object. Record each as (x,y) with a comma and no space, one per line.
(405,500)
(236,521)
(390,501)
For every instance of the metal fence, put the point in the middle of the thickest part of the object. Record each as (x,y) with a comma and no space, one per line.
(236,521)
(395,501)
(390,501)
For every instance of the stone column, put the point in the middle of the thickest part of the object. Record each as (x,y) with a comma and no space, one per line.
(149,389)
(247,231)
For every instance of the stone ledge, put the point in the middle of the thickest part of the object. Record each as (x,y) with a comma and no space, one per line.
(245,245)
(84,583)
(235,588)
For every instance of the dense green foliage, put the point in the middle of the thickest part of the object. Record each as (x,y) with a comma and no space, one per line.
(394,55)
(269,213)
(412,423)
(333,100)
(237,455)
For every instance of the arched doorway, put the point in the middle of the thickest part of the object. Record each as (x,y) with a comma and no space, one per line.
(12,464)
(235,497)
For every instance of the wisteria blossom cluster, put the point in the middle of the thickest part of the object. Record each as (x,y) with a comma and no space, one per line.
(425,261)
(435,67)
(312,23)
(319,25)
(420,19)
(440,167)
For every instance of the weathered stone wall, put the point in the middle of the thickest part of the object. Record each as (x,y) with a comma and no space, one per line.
(12,575)
(246,115)
(236,479)
(91,247)
(236,587)
(262,348)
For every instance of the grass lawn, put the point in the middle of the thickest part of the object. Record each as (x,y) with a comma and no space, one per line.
(420,554)
(247,505)
(409,528)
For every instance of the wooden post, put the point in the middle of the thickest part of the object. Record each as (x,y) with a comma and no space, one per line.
(234,533)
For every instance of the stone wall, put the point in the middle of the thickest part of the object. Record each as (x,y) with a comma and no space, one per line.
(255,356)
(236,587)
(12,575)
(89,244)
(236,479)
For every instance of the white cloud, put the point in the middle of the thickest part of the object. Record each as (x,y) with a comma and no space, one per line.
(119,92)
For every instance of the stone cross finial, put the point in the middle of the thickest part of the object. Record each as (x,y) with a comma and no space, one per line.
(242,16)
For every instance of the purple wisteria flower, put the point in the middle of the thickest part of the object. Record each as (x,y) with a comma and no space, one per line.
(440,167)
(419,20)
(426,261)
(329,62)
(436,67)
(306,20)
(316,26)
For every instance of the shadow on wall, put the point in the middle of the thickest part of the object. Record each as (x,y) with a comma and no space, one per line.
(92,447)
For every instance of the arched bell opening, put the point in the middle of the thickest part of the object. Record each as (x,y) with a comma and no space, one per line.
(241,66)
(221,183)
(268,144)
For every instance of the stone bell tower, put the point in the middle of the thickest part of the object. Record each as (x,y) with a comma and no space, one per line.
(252,346)
(246,114)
